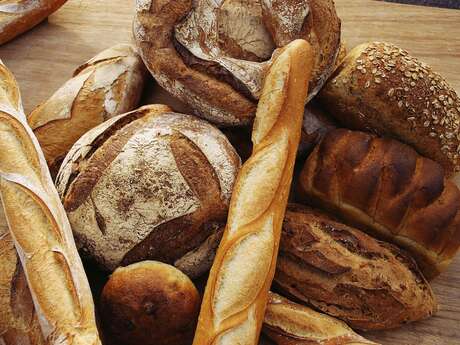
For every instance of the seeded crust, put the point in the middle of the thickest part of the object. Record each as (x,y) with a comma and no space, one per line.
(382,89)
(347,274)
(213,55)
(389,190)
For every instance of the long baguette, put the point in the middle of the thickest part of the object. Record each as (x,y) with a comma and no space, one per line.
(40,229)
(288,323)
(237,290)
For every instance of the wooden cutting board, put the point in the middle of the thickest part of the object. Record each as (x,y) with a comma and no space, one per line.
(45,58)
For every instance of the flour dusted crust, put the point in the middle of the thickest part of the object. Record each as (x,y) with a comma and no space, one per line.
(107,85)
(213,55)
(18,16)
(161,182)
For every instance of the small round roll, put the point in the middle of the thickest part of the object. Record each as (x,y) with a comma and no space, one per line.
(149,303)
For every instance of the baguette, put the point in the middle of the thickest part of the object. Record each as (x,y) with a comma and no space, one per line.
(18,16)
(237,290)
(18,320)
(109,84)
(288,323)
(40,229)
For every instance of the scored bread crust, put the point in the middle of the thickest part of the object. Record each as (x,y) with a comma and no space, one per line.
(391,191)
(40,229)
(109,84)
(237,290)
(289,323)
(213,55)
(18,16)
(347,274)
(382,89)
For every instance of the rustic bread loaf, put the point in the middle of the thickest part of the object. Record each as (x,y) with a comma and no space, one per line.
(143,186)
(390,190)
(149,303)
(288,323)
(237,290)
(213,55)
(18,320)
(18,16)
(40,229)
(349,275)
(381,88)
(107,85)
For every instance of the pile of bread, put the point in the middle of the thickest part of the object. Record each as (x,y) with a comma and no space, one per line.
(187,222)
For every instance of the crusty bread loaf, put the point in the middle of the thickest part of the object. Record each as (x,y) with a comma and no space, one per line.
(237,290)
(18,320)
(381,88)
(288,323)
(390,190)
(149,188)
(40,229)
(349,275)
(149,303)
(213,55)
(18,16)
(109,84)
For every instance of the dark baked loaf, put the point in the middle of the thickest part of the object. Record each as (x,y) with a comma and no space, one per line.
(347,274)
(390,190)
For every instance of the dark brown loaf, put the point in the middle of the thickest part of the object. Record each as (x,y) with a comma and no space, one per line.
(144,186)
(213,54)
(349,275)
(381,88)
(390,190)
(18,16)
(149,303)
(109,84)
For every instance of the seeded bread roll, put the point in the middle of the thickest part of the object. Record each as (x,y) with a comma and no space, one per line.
(288,323)
(387,188)
(147,187)
(109,84)
(349,275)
(18,320)
(213,55)
(18,16)
(382,89)
(149,303)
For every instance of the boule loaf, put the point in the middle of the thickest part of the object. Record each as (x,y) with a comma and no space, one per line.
(18,16)
(389,190)
(147,185)
(349,275)
(289,323)
(18,320)
(40,229)
(109,84)
(213,55)
(383,89)
(236,293)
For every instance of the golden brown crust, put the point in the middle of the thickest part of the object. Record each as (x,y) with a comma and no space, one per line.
(207,54)
(349,275)
(288,323)
(389,189)
(40,229)
(108,85)
(18,16)
(149,303)
(381,88)
(118,172)
(237,290)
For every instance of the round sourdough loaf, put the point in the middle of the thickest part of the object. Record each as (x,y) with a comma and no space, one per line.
(149,303)
(213,54)
(147,186)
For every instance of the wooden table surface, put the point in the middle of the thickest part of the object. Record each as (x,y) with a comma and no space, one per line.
(46,57)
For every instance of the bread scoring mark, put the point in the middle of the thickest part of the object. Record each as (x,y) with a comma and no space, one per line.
(244,334)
